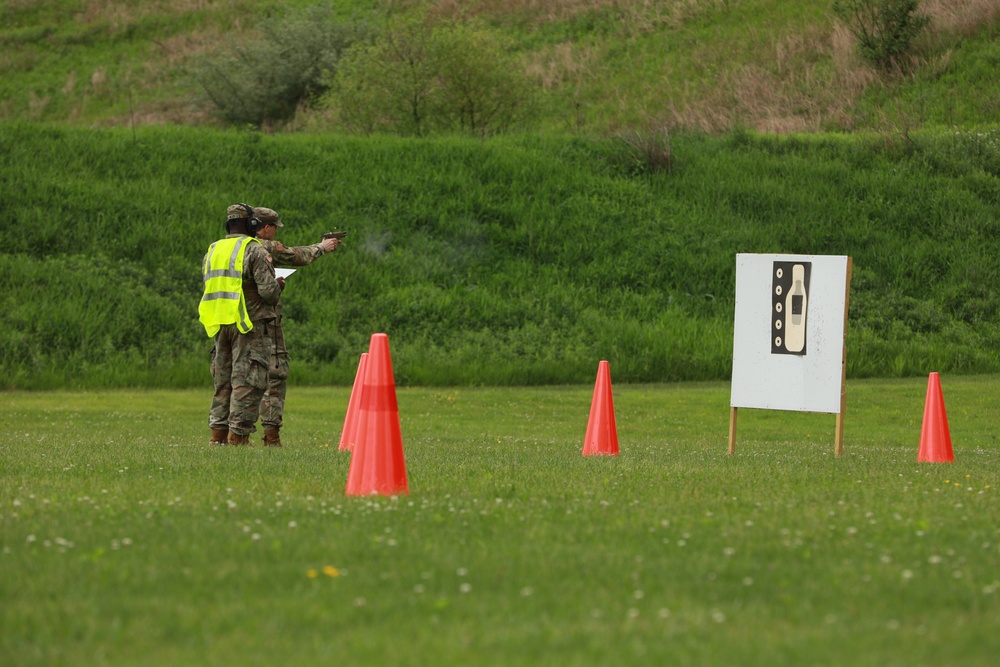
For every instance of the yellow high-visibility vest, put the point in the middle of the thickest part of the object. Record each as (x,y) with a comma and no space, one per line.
(223,302)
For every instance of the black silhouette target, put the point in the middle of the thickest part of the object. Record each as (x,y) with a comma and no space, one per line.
(790,307)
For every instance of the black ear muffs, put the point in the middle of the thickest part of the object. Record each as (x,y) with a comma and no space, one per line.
(253,222)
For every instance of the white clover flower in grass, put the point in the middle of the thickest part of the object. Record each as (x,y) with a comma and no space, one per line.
(527,591)
(465,588)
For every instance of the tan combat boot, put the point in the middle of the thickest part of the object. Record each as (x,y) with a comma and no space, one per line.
(219,436)
(271,437)
(237,439)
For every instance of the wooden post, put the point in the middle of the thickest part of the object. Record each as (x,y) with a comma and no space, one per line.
(732,431)
(838,447)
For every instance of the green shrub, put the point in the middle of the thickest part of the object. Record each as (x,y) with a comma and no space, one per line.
(420,77)
(264,80)
(885,29)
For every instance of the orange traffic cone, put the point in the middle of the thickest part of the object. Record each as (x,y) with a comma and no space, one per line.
(349,434)
(602,433)
(377,464)
(935,439)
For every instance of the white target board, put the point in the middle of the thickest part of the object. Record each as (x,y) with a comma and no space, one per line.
(788,337)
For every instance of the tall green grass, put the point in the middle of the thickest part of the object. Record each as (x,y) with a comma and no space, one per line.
(125,539)
(520,260)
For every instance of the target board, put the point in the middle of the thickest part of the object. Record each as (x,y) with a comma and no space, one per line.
(789,333)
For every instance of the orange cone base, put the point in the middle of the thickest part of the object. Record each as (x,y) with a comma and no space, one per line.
(377,463)
(935,438)
(602,432)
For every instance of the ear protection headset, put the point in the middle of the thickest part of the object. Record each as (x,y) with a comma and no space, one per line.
(253,222)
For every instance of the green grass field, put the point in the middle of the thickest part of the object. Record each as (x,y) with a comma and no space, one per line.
(127,540)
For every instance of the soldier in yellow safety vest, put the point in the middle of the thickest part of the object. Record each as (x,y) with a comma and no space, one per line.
(236,309)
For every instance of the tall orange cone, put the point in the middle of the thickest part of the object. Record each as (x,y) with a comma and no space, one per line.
(349,434)
(377,464)
(602,432)
(935,439)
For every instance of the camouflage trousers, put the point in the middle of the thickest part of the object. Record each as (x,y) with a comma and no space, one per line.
(239,368)
(272,407)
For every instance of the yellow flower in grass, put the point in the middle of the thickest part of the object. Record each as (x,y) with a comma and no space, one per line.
(311,573)
(331,571)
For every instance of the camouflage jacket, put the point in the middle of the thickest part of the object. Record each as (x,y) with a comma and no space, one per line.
(283,255)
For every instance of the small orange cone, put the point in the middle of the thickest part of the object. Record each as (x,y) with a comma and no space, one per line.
(935,439)
(349,434)
(377,464)
(602,433)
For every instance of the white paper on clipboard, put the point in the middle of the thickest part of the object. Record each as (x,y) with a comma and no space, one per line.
(283,273)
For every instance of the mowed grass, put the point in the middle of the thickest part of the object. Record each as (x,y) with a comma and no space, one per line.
(127,540)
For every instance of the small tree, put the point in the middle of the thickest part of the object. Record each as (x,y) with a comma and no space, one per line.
(263,80)
(484,88)
(885,29)
(419,77)
(387,85)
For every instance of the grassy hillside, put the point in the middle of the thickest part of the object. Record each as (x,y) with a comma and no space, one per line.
(601,65)
(513,261)
(522,259)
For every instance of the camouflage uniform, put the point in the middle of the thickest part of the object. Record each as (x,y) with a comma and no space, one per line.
(272,406)
(240,361)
